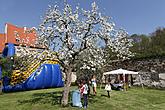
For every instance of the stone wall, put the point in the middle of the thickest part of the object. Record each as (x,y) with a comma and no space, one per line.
(151,70)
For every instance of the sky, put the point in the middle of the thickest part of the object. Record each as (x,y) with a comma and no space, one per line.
(135,16)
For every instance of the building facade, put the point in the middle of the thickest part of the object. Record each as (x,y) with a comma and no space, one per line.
(18,36)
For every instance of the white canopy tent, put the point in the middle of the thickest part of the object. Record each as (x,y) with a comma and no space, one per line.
(120,71)
(124,72)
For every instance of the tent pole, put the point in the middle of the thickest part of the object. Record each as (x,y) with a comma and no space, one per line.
(124,86)
(131,79)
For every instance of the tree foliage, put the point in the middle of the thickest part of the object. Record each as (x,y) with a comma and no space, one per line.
(81,35)
(149,45)
(7,65)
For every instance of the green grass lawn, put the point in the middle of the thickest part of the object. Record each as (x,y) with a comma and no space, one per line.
(49,99)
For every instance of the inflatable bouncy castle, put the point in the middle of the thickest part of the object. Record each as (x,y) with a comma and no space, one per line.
(39,71)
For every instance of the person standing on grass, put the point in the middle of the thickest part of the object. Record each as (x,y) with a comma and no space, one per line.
(108,88)
(94,85)
(84,92)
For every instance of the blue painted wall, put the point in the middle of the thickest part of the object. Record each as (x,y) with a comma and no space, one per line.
(9,50)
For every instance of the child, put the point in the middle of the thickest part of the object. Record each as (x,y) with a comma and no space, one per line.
(84,92)
(94,85)
(108,88)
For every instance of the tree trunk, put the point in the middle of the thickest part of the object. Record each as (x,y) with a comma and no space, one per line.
(65,96)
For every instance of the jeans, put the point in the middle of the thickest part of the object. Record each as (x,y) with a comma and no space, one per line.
(85,96)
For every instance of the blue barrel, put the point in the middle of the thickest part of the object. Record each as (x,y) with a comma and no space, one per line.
(76,99)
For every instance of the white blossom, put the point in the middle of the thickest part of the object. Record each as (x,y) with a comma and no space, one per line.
(73,33)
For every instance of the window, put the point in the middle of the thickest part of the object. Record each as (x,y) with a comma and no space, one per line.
(17,39)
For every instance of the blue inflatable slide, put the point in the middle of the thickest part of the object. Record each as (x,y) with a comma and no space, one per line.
(45,76)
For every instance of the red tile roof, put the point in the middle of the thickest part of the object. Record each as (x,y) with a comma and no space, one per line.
(18,36)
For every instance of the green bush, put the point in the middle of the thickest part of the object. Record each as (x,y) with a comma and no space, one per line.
(6,64)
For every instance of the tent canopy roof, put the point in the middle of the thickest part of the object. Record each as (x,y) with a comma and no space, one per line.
(120,71)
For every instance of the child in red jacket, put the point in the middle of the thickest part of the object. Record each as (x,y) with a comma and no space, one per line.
(84,92)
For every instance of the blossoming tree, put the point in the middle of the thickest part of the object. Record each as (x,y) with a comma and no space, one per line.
(73,33)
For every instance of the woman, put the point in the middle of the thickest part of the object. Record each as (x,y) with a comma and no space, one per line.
(94,85)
